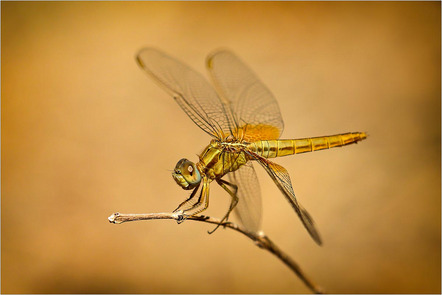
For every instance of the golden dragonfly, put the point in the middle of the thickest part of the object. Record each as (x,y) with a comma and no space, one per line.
(245,123)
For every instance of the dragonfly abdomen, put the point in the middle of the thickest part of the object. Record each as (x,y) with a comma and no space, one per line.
(285,147)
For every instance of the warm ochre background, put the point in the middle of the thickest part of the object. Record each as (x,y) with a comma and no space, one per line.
(86,133)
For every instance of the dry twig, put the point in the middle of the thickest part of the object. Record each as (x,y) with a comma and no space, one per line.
(260,239)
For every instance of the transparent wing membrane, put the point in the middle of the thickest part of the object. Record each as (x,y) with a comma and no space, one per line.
(282,180)
(250,100)
(190,89)
(249,207)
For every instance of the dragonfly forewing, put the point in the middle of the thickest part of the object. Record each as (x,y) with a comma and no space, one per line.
(250,101)
(190,89)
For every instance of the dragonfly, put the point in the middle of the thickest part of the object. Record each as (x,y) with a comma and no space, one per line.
(243,119)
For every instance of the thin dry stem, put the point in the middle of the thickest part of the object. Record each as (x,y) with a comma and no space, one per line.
(260,239)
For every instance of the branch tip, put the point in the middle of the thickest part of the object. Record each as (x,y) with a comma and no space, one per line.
(113,218)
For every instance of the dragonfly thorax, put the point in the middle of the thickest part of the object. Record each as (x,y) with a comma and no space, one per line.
(186,174)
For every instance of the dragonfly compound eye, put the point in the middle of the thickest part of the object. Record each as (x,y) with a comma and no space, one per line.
(186,174)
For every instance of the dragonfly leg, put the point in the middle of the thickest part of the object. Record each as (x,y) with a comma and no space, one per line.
(233,203)
(233,186)
(185,202)
(233,194)
(202,199)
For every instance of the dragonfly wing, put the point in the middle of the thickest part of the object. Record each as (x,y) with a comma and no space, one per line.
(282,179)
(249,207)
(190,89)
(250,101)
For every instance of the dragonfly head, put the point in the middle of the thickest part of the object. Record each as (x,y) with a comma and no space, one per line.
(186,174)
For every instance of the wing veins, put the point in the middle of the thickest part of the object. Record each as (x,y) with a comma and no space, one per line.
(283,182)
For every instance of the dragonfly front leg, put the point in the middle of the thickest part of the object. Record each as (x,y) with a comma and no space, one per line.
(186,208)
(204,198)
(187,201)
(233,203)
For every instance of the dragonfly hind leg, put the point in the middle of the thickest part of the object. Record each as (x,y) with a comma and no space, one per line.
(233,203)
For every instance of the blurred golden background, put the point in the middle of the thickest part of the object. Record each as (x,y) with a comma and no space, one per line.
(86,133)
